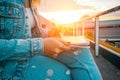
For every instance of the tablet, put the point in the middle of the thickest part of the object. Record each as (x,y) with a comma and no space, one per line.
(80,41)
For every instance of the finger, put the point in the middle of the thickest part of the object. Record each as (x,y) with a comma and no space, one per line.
(52,54)
(64,42)
(57,50)
(65,48)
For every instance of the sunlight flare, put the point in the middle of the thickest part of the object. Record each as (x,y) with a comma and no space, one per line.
(62,17)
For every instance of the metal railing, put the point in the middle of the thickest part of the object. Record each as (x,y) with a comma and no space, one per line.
(97,24)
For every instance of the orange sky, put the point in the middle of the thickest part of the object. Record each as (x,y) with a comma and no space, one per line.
(67,11)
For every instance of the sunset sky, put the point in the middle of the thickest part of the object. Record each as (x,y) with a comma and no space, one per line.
(66,11)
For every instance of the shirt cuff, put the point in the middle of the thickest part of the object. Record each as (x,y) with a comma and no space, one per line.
(37,46)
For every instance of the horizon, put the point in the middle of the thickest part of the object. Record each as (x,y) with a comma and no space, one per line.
(68,11)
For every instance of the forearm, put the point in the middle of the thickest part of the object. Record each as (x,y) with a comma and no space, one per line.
(20,47)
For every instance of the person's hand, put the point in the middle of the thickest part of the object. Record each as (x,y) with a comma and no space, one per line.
(54,46)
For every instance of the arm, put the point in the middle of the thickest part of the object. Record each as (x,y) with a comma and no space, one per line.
(20,48)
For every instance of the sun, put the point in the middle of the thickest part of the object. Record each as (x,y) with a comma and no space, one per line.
(65,17)
(62,17)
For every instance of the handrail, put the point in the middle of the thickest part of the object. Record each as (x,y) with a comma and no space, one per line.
(97,25)
(102,13)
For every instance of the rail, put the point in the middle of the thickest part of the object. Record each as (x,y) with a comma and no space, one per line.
(117,8)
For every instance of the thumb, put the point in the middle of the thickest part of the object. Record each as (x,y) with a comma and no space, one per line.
(65,48)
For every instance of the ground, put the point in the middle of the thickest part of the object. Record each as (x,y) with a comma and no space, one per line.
(108,70)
